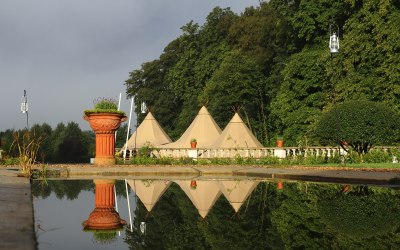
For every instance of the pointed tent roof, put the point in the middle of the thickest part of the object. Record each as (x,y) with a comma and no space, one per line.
(204,196)
(148,132)
(149,191)
(236,192)
(237,135)
(203,128)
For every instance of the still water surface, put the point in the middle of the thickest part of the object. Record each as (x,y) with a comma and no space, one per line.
(218,214)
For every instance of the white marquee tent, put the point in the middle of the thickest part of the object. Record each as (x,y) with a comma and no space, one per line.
(149,133)
(203,128)
(236,135)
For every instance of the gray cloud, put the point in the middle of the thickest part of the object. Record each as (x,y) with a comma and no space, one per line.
(65,53)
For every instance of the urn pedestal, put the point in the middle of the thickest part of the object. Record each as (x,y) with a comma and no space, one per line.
(104,126)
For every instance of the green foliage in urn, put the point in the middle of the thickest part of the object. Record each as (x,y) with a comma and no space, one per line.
(104,105)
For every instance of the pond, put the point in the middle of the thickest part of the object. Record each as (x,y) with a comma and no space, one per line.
(214,214)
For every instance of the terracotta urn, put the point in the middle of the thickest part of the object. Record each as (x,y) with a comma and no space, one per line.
(104,126)
(193,144)
(104,216)
(279,143)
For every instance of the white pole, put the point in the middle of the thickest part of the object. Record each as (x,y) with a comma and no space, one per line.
(129,205)
(116,204)
(119,107)
(127,132)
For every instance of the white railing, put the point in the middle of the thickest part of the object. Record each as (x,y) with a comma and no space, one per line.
(213,152)
(285,152)
(206,153)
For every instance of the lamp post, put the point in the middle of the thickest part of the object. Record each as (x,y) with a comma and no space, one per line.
(334,47)
(24,107)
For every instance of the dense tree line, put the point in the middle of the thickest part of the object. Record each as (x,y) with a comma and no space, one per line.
(272,64)
(63,144)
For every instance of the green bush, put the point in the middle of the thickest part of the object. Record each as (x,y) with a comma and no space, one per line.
(314,160)
(269,160)
(377,156)
(165,161)
(186,161)
(362,124)
(352,157)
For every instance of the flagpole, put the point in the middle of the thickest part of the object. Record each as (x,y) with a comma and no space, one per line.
(119,107)
(129,126)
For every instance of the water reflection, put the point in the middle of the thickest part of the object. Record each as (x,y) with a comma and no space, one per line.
(197,214)
(104,216)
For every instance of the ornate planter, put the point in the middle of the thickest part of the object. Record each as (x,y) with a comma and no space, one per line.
(279,143)
(104,125)
(193,144)
(104,216)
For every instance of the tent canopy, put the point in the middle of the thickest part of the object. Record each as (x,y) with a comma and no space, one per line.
(149,133)
(236,135)
(203,128)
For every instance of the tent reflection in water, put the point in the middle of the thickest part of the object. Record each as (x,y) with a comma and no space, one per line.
(149,191)
(203,196)
(237,191)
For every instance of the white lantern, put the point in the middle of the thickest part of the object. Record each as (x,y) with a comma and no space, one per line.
(143,108)
(334,43)
(24,103)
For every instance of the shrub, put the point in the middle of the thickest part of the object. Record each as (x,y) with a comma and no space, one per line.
(377,156)
(269,160)
(361,124)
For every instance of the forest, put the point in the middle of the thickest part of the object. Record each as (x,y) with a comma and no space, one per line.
(271,63)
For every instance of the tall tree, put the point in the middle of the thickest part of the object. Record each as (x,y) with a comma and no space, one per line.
(236,85)
(302,95)
(369,63)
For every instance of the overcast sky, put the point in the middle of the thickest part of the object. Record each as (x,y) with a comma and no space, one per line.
(66,53)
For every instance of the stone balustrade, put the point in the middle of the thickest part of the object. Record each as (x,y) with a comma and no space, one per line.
(285,152)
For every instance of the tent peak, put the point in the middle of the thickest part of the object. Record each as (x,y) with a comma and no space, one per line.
(203,111)
(236,119)
(149,116)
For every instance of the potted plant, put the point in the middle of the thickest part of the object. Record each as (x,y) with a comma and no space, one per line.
(193,184)
(105,119)
(193,143)
(279,141)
